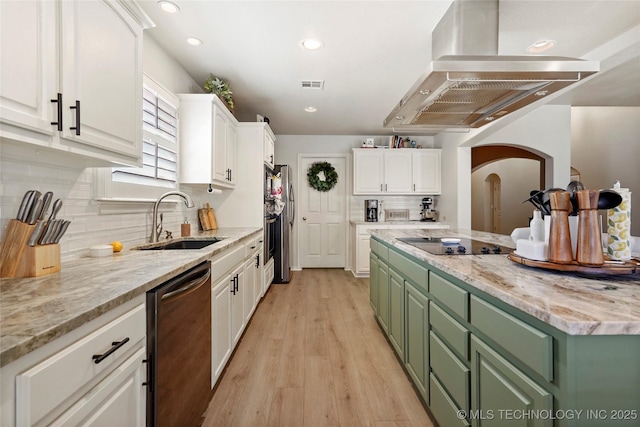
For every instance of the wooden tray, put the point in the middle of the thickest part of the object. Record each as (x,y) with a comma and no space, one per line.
(629,267)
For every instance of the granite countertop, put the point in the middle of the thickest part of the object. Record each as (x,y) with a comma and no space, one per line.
(36,310)
(575,304)
(411,223)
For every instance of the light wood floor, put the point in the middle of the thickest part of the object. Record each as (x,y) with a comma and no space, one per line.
(313,355)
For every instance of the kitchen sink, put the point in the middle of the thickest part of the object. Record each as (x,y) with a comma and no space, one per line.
(182,244)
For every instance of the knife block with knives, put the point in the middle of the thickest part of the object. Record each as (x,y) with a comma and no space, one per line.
(21,260)
(30,247)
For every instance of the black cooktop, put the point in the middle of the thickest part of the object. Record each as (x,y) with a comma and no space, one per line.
(456,246)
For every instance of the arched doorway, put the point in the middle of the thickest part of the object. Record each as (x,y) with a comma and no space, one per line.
(486,154)
(501,178)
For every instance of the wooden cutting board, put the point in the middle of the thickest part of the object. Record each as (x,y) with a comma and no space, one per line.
(212,218)
(204,219)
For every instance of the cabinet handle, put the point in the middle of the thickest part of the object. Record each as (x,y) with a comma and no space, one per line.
(414,187)
(258,261)
(230,176)
(271,157)
(58,101)
(115,345)
(233,288)
(385,187)
(380,187)
(77,126)
(236,281)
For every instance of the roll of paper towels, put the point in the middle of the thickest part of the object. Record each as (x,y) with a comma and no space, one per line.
(619,226)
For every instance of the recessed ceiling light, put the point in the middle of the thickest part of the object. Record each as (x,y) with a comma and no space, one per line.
(310,109)
(194,41)
(168,6)
(311,44)
(541,46)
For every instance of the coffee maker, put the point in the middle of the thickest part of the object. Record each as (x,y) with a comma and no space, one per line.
(371,210)
(427,213)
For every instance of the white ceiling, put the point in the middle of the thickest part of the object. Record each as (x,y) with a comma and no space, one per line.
(375,50)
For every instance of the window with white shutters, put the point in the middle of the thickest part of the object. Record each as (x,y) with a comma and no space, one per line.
(160,132)
(118,189)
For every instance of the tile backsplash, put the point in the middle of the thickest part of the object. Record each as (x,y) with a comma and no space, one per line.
(413,203)
(75,187)
(89,226)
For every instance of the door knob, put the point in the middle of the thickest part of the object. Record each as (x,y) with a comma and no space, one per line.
(304,218)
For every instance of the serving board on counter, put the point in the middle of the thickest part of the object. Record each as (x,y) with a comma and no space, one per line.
(629,267)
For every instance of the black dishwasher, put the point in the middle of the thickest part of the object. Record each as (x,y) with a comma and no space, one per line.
(179,349)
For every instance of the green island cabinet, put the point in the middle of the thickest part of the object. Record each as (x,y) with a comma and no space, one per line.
(477,361)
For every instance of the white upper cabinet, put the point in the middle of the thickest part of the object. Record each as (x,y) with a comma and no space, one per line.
(81,91)
(368,171)
(208,141)
(29,78)
(269,147)
(426,171)
(396,171)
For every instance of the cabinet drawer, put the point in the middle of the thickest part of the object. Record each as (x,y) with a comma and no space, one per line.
(251,246)
(45,386)
(451,373)
(381,250)
(531,346)
(442,407)
(413,271)
(223,263)
(449,295)
(373,245)
(453,333)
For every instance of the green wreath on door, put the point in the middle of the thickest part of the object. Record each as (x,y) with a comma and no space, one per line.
(322,176)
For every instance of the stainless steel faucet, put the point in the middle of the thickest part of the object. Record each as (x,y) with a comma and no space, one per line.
(155,234)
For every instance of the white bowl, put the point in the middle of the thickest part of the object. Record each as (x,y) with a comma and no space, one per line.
(449,240)
(100,251)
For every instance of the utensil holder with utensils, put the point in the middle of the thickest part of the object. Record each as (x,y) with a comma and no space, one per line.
(18,259)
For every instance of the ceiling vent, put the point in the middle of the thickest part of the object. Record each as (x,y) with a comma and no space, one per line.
(312,84)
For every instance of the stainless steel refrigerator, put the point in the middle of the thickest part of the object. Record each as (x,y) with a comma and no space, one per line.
(284,227)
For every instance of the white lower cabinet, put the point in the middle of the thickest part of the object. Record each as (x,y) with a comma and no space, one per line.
(268,275)
(117,400)
(252,277)
(220,328)
(93,376)
(233,301)
(259,277)
(237,303)
(361,235)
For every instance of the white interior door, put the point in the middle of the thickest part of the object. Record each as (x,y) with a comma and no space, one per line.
(321,217)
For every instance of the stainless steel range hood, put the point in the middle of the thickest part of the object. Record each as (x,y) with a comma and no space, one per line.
(470,85)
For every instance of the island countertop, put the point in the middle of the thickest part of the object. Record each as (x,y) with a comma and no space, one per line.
(36,310)
(575,304)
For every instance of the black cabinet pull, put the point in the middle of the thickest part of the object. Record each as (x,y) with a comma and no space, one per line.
(97,358)
(230,172)
(233,288)
(258,261)
(58,101)
(77,126)
(236,281)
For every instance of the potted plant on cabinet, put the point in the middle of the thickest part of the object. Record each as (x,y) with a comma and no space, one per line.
(221,88)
